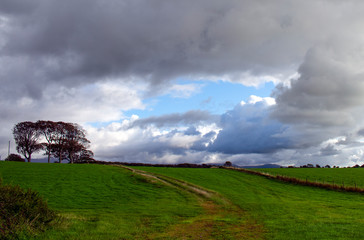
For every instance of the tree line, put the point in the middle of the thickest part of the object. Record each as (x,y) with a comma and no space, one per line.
(61,140)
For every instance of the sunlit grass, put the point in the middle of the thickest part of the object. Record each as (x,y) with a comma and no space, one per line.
(101,202)
(108,202)
(353,177)
(287,211)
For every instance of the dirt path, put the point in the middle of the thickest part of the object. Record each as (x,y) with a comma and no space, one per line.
(220,220)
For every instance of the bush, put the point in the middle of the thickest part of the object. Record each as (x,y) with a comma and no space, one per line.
(22,212)
(14,158)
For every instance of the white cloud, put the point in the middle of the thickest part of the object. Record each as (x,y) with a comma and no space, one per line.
(184,90)
(266,100)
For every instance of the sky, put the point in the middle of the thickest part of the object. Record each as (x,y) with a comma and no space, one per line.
(203,81)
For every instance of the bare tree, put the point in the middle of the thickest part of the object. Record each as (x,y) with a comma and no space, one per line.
(26,137)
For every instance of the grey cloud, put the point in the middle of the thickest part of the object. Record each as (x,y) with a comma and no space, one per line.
(325,93)
(72,42)
(326,100)
(329,150)
(187,118)
(192,131)
(139,150)
(248,129)
(204,142)
(361,132)
(16,6)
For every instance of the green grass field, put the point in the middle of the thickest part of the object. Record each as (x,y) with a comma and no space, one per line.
(340,176)
(102,202)
(286,211)
(109,202)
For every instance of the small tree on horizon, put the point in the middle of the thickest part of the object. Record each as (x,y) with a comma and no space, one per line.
(14,158)
(228,164)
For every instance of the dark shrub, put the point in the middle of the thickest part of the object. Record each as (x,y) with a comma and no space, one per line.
(228,164)
(22,212)
(14,158)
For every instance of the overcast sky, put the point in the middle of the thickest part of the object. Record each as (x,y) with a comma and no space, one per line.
(202,81)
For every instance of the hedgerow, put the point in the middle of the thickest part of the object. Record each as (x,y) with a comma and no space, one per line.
(22,212)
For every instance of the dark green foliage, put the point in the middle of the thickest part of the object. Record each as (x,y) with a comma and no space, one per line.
(14,158)
(22,212)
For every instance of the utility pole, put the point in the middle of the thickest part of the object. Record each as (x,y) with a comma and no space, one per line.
(9,149)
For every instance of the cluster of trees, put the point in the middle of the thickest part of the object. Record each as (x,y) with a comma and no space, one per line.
(65,141)
(327,166)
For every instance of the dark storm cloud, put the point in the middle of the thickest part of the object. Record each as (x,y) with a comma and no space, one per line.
(16,6)
(248,129)
(74,42)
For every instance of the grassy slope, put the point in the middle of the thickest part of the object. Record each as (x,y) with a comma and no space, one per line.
(101,202)
(287,211)
(348,176)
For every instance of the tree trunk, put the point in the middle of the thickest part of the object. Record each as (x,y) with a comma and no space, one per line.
(27,156)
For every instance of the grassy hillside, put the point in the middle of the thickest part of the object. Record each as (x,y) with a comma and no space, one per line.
(108,202)
(287,211)
(347,176)
(102,202)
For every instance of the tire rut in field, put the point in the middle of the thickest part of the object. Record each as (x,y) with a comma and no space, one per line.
(221,219)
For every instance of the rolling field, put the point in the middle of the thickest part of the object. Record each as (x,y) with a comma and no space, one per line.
(102,202)
(340,176)
(286,211)
(110,202)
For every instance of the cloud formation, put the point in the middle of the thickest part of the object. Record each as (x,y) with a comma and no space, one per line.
(90,61)
(70,43)
(248,129)
(175,119)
